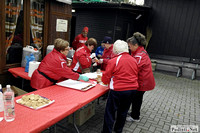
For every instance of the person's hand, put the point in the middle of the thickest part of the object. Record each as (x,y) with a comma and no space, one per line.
(95,64)
(95,60)
(100,61)
(69,62)
(93,55)
(99,55)
(84,78)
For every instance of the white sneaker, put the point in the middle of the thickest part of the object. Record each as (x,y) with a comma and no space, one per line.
(130,119)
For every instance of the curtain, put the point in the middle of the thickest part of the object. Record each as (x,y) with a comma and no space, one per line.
(37,22)
(12,8)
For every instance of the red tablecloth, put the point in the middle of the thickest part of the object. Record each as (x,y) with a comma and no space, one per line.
(19,72)
(66,102)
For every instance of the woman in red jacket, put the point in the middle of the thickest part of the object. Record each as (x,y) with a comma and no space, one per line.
(145,75)
(54,67)
(82,59)
(121,77)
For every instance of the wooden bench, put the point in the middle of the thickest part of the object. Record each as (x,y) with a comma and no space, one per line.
(180,66)
(194,70)
(171,63)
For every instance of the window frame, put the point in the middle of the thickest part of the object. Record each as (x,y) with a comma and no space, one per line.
(26,37)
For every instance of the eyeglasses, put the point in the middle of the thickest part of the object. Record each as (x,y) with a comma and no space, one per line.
(67,49)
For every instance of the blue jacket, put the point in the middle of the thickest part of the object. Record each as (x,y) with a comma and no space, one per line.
(99,50)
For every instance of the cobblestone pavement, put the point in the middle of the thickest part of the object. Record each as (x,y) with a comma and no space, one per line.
(174,101)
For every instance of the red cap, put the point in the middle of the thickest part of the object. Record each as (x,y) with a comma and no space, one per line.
(85,29)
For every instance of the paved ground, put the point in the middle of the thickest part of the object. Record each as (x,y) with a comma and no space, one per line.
(174,101)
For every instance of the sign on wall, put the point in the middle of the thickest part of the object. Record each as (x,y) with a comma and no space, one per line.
(61,25)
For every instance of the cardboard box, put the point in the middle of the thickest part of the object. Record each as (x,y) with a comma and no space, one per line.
(83,114)
(16,90)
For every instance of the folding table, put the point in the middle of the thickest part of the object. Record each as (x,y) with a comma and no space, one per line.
(19,72)
(67,101)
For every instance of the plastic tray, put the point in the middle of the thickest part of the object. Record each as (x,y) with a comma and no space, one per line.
(51,101)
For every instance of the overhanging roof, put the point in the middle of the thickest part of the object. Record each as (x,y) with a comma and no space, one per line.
(110,5)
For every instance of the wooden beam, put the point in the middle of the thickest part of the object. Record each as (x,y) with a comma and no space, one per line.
(3,37)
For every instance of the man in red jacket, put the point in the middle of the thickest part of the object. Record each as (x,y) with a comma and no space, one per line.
(82,59)
(145,75)
(81,39)
(54,67)
(121,77)
(107,53)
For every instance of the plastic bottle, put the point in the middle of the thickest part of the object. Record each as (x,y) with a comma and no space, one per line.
(9,104)
(28,59)
(1,104)
(99,75)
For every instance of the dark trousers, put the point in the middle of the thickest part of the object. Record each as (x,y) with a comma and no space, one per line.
(136,104)
(117,102)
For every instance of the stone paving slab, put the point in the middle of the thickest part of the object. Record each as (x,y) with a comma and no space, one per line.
(173,101)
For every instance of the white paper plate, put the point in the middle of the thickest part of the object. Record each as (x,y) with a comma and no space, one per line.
(91,75)
(52,101)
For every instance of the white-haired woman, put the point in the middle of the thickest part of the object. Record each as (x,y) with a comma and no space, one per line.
(121,77)
(145,75)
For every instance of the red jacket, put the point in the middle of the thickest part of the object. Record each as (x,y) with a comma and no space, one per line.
(79,41)
(54,65)
(121,73)
(106,56)
(82,55)
(145,75)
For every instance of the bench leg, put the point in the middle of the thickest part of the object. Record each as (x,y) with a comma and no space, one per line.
(193,74)
(179,73)
(22,84)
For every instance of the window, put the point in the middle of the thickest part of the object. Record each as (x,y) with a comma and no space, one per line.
(37,22)
(14,30)
(14,27)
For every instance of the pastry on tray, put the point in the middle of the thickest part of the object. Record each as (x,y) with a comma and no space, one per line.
(33,101)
